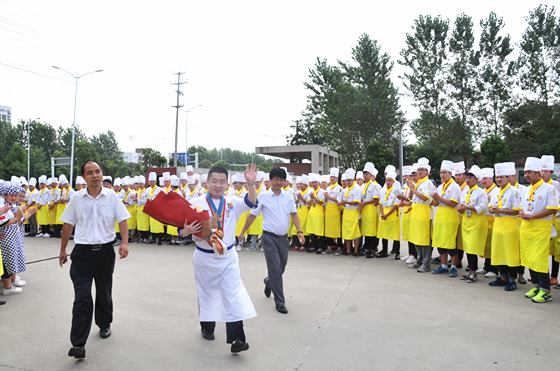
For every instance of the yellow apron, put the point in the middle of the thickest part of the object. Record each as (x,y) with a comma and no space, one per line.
(350,228)
(256,227)
(171,230)
(302,212)
(475,230)
(488,246)
(505,242)
(556,240)
(117,229)
(241,223)
(368,225)
(142,219)
(534,243)
(52,215)
(405,223)
(332,221)
(43,215)
(389,228)
(460,233)
(1,265)
(155,226)
(446,225)
(59,210)
(420,225)
(316,220)
(132,220)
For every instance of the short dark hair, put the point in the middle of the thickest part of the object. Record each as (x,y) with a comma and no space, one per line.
(107,180)
(83,167)
(278,173)
(218,170)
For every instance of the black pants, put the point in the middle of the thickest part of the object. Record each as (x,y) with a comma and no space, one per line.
(371,243)
(541,279)
(472,259)
(144,235)
(488,267)
(318,242)
(234,330)
(511,272)
(412,249)
(396,246)
(555,266)
(91,264)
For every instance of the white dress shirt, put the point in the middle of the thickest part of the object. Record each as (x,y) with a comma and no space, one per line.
(94,218)
(276,210)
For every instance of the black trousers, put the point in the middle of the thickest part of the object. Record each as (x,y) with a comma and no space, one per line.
(91,264)
(318,242)
(371,243)
(234,330)
(396,246)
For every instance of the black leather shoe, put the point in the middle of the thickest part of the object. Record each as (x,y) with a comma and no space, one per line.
(105,332)
(239,346)
(77,352)
(267,290)
(282,309)
(207,335)
(2,302)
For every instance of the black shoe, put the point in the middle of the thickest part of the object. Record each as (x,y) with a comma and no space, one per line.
(105,332)
(207,335)
(151,242)
(77,352)
(2,302)
(398,257)
(282,309)
(381,255)
(345,253)
(369,255)
(355,255)
(239,346)
(267,290)
(159,243)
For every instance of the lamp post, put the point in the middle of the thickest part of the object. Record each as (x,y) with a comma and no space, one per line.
(186,136)
(77,76)
(158,141)
(29,147)
(402,123)
(274,138)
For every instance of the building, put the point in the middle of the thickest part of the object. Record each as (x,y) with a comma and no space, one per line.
(321,159)
(132,157)
(6,114)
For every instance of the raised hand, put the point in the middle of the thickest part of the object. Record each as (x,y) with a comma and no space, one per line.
(251,173)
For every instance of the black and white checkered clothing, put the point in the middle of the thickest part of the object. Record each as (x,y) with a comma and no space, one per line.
(11,246)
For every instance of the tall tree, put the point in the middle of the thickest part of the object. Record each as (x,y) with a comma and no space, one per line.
(16,162)
(462,81)
(495,82)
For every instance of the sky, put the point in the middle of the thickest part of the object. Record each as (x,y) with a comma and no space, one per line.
(245,62)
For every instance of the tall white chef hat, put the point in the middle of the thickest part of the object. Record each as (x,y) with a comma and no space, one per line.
(533,163)
(334,171)
(475,170)
(23,181)
(414,168)
(360,175)
(142,179)
(15,181)
(32,182)
(260,176)
(266,177)
(407,170)
(161,181)
(447,166)
(487,172)
(350,173)
(316,178)
(174,180)
(183,175)
(424,163)
(125,181)
(391,174)
(189,168)
(344,177)
(547,162)
(298,180)
(305,179)
(512,168)
(166,175)
(368,167)
(389,168)
(504,169)
(80,180)
(203,178)
(152,177)
(459,167)
(190,179)
(43,179)
(285,169)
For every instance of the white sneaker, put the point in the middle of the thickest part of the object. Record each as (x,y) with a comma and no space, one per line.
(481,271)
(262,249)
(490,275)
(19,283)
(411,260)
(12,291)
(238,248)
(405,258)
(39,235)
(46,235)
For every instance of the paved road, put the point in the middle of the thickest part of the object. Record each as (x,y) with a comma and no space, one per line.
(345,314)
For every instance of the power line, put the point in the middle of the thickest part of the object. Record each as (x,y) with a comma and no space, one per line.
(28,12)
(36,73)
(24,35)
(37,46)
(29,29)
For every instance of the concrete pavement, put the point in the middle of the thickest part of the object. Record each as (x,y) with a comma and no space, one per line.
(344,314)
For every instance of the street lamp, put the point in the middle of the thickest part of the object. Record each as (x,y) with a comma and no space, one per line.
(29,146)
(74,123)
(402,123)
(273,138)
(157,141)
(186,129)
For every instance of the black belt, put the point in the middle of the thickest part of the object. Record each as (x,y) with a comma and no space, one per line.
(98,246)
(274,235)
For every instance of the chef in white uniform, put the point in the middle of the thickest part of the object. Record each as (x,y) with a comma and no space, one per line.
(221,294)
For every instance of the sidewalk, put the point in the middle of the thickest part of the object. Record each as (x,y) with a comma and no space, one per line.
(344,314)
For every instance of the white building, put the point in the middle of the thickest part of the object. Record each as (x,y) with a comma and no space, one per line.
(6,114)
(133,157)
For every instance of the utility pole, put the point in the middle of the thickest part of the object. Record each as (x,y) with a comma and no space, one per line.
(179,93)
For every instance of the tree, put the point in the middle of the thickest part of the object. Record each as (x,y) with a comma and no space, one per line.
(462,81)
(539,57)
(493,150)
(495,82)
(205,164)
(264,166)
(41,135)
(380,156)
(64,138)
(16,162)
(39,165)
(221,163)
(151,158)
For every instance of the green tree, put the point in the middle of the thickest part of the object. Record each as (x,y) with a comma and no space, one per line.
(16,162)
(265,166)
(205,164)
(39,165)
(40,135)
(64,138)
(495,76)
(539,57)
(462,81)
(152,158)
(380,156)
(493,150)
(222,163)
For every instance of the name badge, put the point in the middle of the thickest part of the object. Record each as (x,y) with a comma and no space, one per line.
(468,212)
(530,206)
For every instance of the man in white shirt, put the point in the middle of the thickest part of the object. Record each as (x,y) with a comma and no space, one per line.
(93,212)
(276,206)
